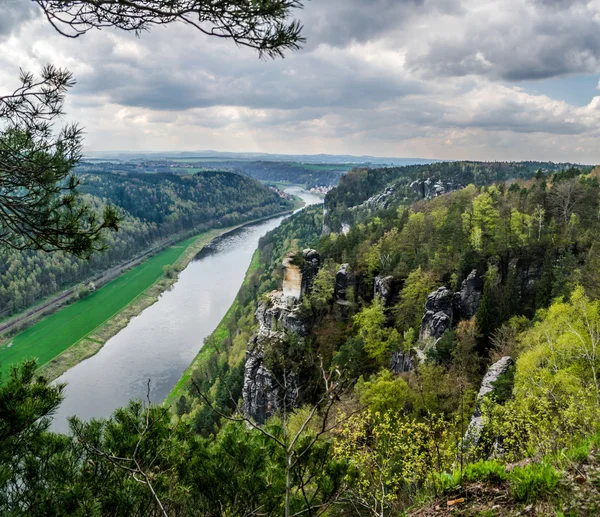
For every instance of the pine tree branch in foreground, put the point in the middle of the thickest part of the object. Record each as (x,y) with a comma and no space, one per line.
(263,25)
(39,204)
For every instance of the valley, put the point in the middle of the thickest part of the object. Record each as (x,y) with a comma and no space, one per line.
(360,281)
(157,342)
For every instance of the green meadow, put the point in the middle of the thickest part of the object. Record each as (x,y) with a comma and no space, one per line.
(52,335)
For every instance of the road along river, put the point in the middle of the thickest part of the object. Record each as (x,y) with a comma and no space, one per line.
(162,341)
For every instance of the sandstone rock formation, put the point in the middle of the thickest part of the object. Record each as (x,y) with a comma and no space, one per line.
(279,314)
(343,280)
(474,431)
(383,288)
(312,262)
(444,308)
(260,392)
(292,277)
(439,314)
(401,362)
(430,188)
(380,201)
(299,271)
(470,295)
(326,230)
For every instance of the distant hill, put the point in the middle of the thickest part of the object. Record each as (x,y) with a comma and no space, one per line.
(153,207)
(307,170)
(218,156)
(410,183)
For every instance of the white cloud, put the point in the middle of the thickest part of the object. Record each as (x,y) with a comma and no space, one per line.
(426,78)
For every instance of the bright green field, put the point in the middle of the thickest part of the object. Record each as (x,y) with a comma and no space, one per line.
(53,335)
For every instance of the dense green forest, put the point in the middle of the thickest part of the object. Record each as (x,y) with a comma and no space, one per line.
(298,173)
(512,269)
(412,182)
(532,242)
(152,207)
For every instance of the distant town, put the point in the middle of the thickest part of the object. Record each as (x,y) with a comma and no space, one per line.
(320,190)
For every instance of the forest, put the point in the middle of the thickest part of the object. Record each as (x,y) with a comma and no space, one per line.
(152,208)
(307,174)
(413,182)
(375,404)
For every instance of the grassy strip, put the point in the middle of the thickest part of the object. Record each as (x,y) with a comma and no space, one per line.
(53,335)
(219,334)
(60,341)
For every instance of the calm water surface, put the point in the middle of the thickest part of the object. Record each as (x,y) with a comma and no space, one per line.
(162,341)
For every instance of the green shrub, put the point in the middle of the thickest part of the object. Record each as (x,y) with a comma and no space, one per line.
(579,454)
(529,483)
(490,471)
(446,482)
(503,387)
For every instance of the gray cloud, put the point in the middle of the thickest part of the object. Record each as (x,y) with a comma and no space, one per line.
(13,13)
(180,77)
(537,40)
(415,77)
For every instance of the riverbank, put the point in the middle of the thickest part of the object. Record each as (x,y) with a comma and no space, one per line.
(85,325)
(222,353)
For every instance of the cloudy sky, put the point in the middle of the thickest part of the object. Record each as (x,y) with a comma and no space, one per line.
(450,79)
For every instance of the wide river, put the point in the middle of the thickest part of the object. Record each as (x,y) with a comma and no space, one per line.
(160,343)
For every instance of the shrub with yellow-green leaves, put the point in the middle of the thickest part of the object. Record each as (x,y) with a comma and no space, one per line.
(391,458)
(556,396)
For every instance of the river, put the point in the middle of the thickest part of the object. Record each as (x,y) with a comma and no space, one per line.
(160,343)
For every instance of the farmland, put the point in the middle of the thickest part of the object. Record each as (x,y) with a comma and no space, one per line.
(80,319)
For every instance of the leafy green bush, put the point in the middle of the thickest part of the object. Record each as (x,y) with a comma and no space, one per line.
(579,454)
(490,471)
(447,482)
(529,483)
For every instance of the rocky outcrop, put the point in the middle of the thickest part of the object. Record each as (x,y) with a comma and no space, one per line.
(383,288)
(439,314)
(280,314)
(380,201)
(299,271)
(430,188)
(444,308)
(260,392)
(475,430)
(312,262)
(344,279)
(528,275)
(470,295)
(277,316)
(292,277)
(326,230)
(401,362)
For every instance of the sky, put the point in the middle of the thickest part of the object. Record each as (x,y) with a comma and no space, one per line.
(445,79)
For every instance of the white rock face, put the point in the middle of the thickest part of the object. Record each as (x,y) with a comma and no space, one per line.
(297,279)
(475,429)
(292,279)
